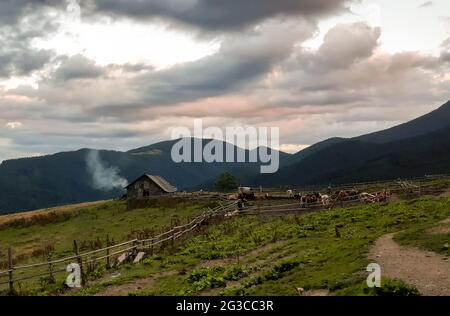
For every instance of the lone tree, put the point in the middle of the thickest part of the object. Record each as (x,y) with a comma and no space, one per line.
(226,182)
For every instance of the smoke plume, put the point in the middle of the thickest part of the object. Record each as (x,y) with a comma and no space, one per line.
(103,178)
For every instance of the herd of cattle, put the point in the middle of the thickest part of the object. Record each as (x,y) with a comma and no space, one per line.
(315,198)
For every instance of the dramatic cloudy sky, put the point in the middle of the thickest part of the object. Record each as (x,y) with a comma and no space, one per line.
(118,74)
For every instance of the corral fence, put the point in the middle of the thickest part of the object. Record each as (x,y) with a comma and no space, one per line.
(397,185)
(115,254)
(418,185)
(112,254)
(298,207)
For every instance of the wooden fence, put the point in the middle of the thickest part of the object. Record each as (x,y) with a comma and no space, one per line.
(297,207)
(392,184)
(107,254)
(149,246)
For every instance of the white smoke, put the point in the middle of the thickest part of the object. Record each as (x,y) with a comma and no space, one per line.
(103,178)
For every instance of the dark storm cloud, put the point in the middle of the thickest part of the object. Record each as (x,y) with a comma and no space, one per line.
(20,23)
(22,61)
(347,70)
(347,43)
(77,67)
(11,11)
(445,57)
(214,14)
(17,57)
(445,52)
(242,60)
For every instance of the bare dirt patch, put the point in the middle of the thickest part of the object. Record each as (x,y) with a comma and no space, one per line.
(426,270)
(136,285)
(443,228)
(315,293)
(439,230)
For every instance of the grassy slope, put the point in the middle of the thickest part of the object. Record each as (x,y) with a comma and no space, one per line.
(88,224)
(250,255)
(421,237)
(273,255)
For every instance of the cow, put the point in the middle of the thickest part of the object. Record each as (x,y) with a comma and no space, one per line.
(310,198)
(366,197)
(345,195)
(325,198)
(246,193)
(261,196)
(290,193)
(382,196)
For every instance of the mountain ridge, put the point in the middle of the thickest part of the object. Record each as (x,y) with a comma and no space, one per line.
(409,149)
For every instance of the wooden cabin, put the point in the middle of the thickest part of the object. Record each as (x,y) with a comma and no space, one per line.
(148,186)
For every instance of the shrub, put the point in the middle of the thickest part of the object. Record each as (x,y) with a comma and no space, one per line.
(235,273)
(393,288)
(278,271)
(43,252)
(90,244)
(206,278)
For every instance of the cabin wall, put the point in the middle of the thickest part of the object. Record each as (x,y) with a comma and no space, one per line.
(144,188)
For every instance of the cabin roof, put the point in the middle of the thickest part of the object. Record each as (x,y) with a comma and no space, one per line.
(158,180)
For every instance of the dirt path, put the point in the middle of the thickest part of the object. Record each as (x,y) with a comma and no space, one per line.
(442,228)
(426,270)
(136,285)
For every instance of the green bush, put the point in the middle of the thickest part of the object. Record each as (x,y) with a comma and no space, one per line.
(206,278)
(393,288)
(278,271)
(235,273)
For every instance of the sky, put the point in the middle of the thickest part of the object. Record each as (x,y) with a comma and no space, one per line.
(119,74)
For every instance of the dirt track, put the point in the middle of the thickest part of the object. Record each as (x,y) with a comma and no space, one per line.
(429,272)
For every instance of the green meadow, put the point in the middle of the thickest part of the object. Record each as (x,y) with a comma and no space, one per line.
(246,255)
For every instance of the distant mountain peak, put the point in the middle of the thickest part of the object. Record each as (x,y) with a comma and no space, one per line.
(433,121)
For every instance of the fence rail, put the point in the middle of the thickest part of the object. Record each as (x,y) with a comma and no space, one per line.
(299,207)
(176,232)
(129,246)
(340,186)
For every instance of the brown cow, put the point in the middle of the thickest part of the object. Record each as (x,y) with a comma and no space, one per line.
(382,196)
(246,193)
(310,198)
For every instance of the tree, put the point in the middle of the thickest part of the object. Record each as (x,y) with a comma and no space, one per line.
(226,182)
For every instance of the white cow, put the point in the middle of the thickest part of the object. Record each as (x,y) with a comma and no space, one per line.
(367,197)
(325,199)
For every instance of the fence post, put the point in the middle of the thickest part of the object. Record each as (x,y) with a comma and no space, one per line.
(135,247)
(172,240)
(10,273)
(108,262)
(50,272)
(80,261)
(152,244)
